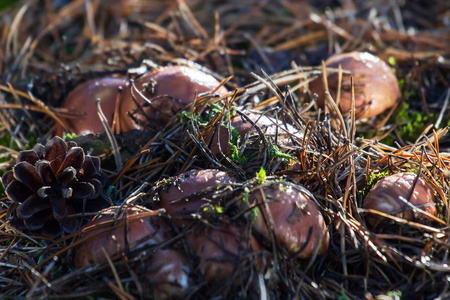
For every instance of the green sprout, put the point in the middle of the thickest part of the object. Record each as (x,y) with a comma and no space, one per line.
(245,198)
(69,136)
(275,151)
(255,213)
(391,60)
(235,136)
(185,116)
(246,195)
(261,176)
(236,155)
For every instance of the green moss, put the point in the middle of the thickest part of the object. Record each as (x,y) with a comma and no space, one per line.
(375,177)
(275,151)
(236,155)
(4,4)
(411,123)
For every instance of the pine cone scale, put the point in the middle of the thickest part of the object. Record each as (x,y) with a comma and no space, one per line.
(67,176)
(44,171)
(26,173)
(74,158)
(70,225)
(59,207)
(38,220)
(91,166)
(31,206)
(55,153)
(83,190)
(18,192)
(7,178)
(29,156)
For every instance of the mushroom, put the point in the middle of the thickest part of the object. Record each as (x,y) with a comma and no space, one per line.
(298,225)
(114,232)
(243,126)
(190,191)
(274,131)
(225,252)
(390,194)
(376,87)
(83,99)
(168,274)
(132,227)
(168,89)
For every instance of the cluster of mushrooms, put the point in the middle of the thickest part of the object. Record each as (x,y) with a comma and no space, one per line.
(223,223)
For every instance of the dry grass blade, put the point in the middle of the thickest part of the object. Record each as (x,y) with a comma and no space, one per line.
(116,276)
(111,137)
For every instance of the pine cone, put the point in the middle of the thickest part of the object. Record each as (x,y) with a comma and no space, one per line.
(51,183)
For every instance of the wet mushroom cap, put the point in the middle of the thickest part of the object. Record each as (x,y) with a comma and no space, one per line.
(180,83)
(190,191)
(376,87)
(133,226)
(168,274)
(274,131)
(223,252)
(83,99)
(243,126)
(387,194)
(297,222)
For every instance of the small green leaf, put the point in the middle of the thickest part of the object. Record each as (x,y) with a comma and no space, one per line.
(261,175)
(391,60)
(275,151)
(69,136)
(246,195)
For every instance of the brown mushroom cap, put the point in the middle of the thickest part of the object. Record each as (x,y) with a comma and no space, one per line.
(137,224)
(83,99)
(168,273)
(267,125)
(271,129)
(223,251)
(177,82)
(376,87)
(387,194)
(190,191)
(298,224)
